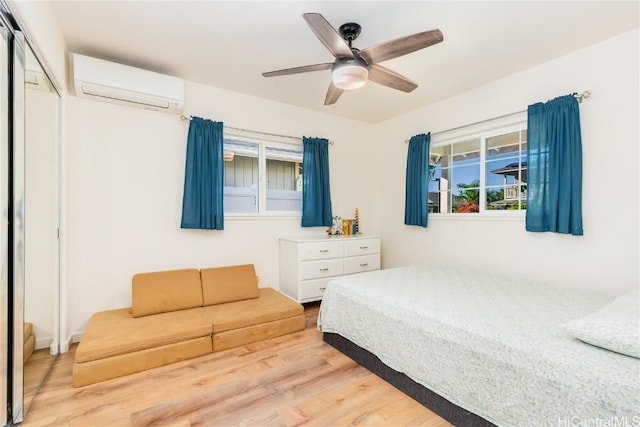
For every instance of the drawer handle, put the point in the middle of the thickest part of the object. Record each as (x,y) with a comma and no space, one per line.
(364,247)
(324,269)
(322,289)
(324,251)
(364,265)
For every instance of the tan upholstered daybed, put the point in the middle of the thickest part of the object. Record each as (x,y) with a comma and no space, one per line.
(29,342)
(180,314)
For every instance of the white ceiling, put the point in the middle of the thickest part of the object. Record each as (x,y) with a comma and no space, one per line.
(228,44)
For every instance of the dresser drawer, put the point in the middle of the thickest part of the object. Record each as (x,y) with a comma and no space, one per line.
(308,263)
(359,264)
(312,289)
(321,250)
(321,268)
(361,247)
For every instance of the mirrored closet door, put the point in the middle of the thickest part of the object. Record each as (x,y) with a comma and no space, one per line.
(4,223)
(29,202)
(16,224)
(41,119)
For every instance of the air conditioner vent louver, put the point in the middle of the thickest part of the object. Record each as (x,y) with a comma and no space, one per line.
(111,82)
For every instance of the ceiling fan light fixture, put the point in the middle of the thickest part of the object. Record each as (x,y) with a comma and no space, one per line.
(349,76)
(354,67)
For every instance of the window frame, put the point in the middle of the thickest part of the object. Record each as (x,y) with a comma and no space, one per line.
(489,130)
(263,144)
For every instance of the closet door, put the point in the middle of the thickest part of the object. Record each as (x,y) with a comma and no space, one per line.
(16,230)
(4,220)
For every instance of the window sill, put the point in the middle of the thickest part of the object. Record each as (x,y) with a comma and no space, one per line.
(262,216)
(498,216)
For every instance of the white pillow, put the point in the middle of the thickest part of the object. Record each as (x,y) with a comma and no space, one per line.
(616,326)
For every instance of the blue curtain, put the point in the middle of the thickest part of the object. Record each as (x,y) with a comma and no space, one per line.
(554,182)
(316,194)
(417,184)
(202,200)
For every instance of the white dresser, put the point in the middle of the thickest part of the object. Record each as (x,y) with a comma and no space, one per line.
(307,263)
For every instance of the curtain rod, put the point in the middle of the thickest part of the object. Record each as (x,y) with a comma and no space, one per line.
(297,138)
(580,96)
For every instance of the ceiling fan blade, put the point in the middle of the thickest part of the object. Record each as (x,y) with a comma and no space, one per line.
(333,93)
(402,46)
(298,70)
(389,78)
(328,35)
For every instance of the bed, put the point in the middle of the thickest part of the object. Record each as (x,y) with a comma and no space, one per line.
(482,349)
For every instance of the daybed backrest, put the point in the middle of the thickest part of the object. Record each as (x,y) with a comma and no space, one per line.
(227,284)
(163,291)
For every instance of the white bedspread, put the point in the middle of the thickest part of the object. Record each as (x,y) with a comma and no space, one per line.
(487,343)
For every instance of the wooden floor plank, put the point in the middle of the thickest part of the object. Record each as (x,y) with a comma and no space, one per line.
(292,380)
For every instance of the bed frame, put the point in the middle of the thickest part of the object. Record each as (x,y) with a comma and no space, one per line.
(438,404)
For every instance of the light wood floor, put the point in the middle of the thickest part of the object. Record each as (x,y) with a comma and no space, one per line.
(35,372)
(292,380)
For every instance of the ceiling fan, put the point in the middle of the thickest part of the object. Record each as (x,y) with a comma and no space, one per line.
(353,67)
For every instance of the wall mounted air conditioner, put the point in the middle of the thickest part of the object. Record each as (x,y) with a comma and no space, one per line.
(111,82)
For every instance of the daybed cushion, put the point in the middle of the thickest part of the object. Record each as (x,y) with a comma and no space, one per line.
(28,347)
(255,333)
(615,327)
(28,330)
(163,291)
(29,341)
(269,307)
(115,332)
(124,364)
(228,284)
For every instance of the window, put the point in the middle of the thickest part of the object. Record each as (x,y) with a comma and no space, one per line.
(262,177)
(481,173)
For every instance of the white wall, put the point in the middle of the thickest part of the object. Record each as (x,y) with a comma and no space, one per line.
(125,174)
(606,257)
